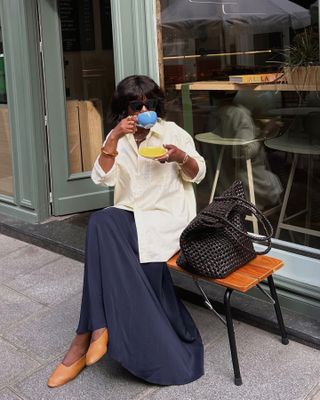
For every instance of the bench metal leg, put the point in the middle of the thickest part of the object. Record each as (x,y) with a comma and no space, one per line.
(232,339)
(277,308)
(207,302)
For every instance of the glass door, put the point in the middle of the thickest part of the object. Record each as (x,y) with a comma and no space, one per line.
(77,49)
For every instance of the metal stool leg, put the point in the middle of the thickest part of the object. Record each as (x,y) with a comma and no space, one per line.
(207,302)
(216,175)
(232,339)
(287,194)
(309,197)
(252,195)
(277,308)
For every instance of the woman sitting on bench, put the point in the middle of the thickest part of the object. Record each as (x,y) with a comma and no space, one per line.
(129,306)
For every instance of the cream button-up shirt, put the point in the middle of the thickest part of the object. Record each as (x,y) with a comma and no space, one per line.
(161,196)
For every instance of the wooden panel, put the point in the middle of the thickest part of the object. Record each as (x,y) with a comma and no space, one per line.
(84,125)
(172,264)
(160,44)
(238,281)
(267,262)
(6,181)
(244,278)
(73,129)
(256,271)
(90,131)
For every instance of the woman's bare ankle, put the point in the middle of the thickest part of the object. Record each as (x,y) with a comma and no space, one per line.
(97,333)
(78,348)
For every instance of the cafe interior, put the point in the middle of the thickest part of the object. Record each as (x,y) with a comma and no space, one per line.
(242,77)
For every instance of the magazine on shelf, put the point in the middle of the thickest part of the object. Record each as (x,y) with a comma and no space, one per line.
(255,78)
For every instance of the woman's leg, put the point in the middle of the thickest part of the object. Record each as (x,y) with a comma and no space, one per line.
(78,348)
(85,349)
(92,313)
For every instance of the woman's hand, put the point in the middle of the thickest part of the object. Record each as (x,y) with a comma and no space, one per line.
(126,125)
(174,154)
(109,149)
(188,164)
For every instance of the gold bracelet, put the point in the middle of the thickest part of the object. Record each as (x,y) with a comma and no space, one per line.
(185,159)
(112,154)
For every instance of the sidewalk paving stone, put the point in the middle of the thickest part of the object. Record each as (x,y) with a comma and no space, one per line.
(8,394)
(15,306)
(270,370)
(36,333)
(314,394)
(52,283)
(9,245)
(105,380)
(14,363)
(47,334)
(23,261)
(209,325)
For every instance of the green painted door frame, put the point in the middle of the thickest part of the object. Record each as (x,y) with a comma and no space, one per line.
(40,159)
(26,114)
(135,41)
(70,192)
(134,48)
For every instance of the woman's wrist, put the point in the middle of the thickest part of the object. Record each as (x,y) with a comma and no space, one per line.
(114,135)
(106,153)
(184,160)
(110,146)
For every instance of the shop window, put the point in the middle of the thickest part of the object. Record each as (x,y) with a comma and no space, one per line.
(241,62)
(6,179)
(89,77)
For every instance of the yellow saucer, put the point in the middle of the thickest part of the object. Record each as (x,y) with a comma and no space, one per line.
(152,152)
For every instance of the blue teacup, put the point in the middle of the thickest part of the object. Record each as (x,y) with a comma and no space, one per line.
(147,119)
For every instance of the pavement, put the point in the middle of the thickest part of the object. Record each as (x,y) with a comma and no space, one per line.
(40,293)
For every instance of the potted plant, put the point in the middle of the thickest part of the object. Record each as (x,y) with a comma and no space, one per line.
(301,65)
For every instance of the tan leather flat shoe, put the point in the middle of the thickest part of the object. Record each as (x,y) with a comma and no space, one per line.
(97,349)
(63,374)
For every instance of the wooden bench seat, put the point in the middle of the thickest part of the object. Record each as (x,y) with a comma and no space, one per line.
(243,279)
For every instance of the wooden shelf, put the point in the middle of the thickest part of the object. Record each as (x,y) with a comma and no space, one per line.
(226,85)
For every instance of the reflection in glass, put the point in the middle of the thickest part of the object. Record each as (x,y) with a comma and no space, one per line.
(234,121)
(219,47)
(6,180)
(212,40)
(89,77)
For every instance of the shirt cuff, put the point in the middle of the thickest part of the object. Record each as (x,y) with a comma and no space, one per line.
(100,177)
(200,175)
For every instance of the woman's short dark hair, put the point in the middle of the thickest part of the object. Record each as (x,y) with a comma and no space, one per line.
(135,87)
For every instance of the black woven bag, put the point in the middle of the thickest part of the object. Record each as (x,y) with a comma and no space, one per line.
(216,241)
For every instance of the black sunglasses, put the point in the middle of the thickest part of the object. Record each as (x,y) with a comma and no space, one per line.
(150,104)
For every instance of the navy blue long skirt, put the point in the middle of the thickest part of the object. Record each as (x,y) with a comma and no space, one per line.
(151,333)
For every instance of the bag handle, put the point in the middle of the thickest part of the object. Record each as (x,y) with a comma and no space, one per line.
(268,230)
(257,213)
(261,239)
